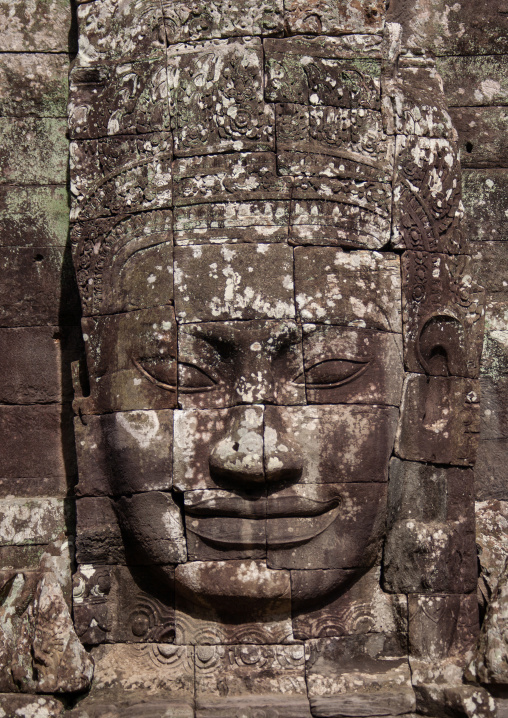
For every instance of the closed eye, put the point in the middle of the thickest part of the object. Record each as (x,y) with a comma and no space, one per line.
(332,373)
(192,379)
(160,371)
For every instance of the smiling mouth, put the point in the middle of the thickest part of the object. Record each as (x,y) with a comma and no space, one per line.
(278,522)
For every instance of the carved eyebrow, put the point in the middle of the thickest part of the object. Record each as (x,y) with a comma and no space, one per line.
(220,338)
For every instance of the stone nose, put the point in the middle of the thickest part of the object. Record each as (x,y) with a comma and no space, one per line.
(237,457)
(250,453)
(283,458)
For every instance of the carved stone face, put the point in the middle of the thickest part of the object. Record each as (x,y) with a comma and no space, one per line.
(246,298)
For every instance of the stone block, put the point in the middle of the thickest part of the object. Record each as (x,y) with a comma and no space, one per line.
(131,361)
(482,135)
(440,420)
(21,557)
(442,626)
(427,199)
(211,597)
(240,177)
(311,445)
(424,492)
(224,681)
(485,196)
(36,442)
(474,81)
(213,446)
(118,175)
(98,536)
(328,282)
(124,452)
(34,216)
(34,151)
(344,365)
(126,99)
(226,363)
(340,212)
(131,265)
(335,72)
(330,444)
(313,165)
(442,313)
(225,111)
(116,604)
(325,526)
(334,132)
(359,676)
(17,703)
(232,222)
(430,557)
(415,103)
(351,606)
(35,364)
(224,526)
(39,26)
(444,31)
(320,17)
(130,679)
(489,258)
(34,84)
(152,526)
(492,541)
(188,21)
(48,276)
(33,521)
(490,469)
(240,282)
(211,625)
(119,33)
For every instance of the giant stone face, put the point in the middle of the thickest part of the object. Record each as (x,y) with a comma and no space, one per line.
(278,307)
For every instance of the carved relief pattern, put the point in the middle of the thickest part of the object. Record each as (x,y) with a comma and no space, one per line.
(281,322)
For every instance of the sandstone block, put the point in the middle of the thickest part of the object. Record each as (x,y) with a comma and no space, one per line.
(33,521)
(187,21)
(35,364)
(35,444)
(430,557)
(482,135)
(47,276)
(485,194)
(470,81)
(34,216)
(226,363)
(327,283)
(124,452)
(240,282)
(98,105)
(131,360)
(34,84)
(440,420)
(120,33)
(34,151)
(39,26)
(116,604)
(427,213)
(118,175)
(227,111)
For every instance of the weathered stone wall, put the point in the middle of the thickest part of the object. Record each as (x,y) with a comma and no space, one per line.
(39,308)
(39,338)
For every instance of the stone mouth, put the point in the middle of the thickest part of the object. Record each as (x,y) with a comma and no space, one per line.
(278,522)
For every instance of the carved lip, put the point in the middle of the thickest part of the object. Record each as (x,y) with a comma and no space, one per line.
(282,521)
(276,507)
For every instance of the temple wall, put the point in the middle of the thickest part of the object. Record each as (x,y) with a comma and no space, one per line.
(39,306)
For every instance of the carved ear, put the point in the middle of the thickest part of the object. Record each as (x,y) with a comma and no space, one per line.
(442,347)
